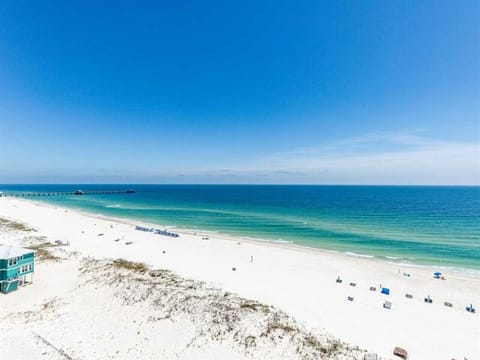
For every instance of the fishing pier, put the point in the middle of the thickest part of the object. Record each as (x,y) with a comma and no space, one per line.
(67,193)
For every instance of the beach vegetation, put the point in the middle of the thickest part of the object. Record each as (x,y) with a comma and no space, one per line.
(130,265)
(14,225)
(46,255)
(254,306)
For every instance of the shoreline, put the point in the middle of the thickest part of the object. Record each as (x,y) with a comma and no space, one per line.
(465,271)
(297,280)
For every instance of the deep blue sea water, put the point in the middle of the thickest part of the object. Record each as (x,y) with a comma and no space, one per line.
(417,224)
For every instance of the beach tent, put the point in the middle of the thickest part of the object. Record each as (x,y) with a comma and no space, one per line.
(386,291)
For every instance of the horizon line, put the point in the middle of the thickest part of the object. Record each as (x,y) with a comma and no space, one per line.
(251,184)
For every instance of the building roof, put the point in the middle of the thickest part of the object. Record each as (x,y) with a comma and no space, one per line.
(11,251)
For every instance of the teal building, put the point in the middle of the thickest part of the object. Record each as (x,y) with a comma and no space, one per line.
(16,267)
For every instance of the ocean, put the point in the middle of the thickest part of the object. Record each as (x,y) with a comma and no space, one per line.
(431,225)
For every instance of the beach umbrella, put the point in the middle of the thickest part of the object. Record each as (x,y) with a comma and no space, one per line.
(437,273)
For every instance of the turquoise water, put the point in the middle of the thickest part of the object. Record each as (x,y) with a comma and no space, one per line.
(426,225)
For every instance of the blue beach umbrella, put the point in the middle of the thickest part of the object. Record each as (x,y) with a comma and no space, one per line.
(437,273)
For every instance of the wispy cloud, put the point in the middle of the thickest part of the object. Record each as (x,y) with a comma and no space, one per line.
(379,158)
(382,158)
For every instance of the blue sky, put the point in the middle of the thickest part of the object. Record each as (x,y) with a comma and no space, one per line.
(323,92)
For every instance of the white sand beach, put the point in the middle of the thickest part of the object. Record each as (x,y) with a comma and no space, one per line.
(81,308)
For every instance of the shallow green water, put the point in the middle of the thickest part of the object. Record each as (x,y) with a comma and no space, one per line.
(426,225)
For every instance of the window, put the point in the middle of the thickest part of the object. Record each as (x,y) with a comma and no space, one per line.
(12,261)
(25,268)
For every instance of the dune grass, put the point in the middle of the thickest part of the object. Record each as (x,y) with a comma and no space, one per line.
(130,265)
(14,225)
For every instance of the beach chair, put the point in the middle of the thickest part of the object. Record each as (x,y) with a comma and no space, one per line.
(408,296)
(339,281)
(401,353)
(387,305)
(448,304)
(373,288)
(350,298)
(353,284)
(470,309)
